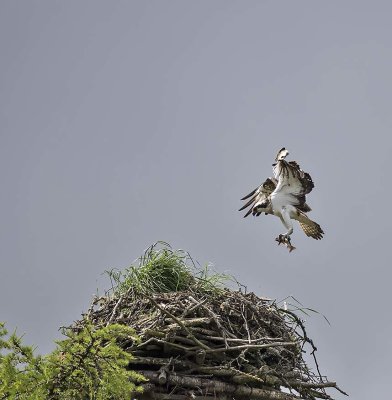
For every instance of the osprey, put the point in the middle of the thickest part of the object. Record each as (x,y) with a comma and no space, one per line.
(284,196)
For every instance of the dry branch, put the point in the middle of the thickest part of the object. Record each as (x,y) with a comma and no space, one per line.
(214,386)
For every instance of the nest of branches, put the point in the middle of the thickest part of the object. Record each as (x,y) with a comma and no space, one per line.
(201,340)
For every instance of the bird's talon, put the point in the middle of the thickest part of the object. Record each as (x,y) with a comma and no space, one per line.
(285,239)
(280,239)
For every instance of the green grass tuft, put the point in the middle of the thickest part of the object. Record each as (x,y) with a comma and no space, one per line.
(161,270)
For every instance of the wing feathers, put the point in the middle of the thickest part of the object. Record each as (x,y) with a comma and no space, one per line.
(250,194)
(258,196)
(248,212)
(306,182)
(304,207)
(313,231)
(248,203)
(310,228)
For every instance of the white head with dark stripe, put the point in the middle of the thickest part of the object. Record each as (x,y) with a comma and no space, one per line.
(282,154)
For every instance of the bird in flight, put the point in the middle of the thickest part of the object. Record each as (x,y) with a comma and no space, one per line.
(284,196)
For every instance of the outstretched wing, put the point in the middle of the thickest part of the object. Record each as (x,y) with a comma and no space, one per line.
(293,184)
(259,195)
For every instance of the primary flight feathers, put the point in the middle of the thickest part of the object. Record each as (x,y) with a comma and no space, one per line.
(284,196)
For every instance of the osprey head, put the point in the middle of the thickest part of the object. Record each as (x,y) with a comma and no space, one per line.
(282,154)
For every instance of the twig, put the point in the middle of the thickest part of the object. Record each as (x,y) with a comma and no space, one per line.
(306,338)
(179,322)
(251,346)
(231,340)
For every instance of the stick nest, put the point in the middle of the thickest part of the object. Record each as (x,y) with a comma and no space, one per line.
(201,340)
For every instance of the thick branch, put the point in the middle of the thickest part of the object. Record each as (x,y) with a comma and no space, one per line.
(214,386)
(170,396)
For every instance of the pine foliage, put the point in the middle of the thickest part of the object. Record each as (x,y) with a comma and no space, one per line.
(86,365)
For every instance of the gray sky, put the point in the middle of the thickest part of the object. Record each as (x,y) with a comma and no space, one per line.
(127,122)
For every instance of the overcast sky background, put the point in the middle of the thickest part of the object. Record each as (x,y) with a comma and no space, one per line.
(127,122)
